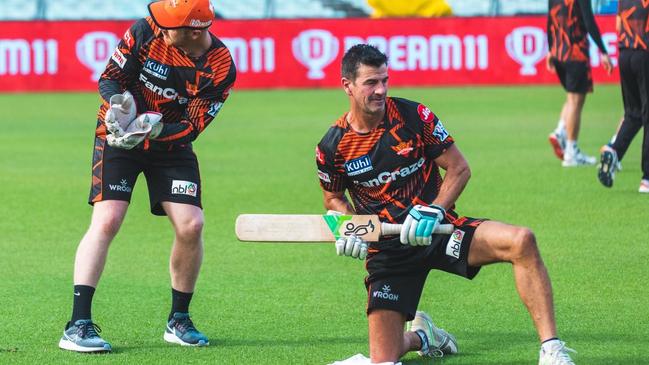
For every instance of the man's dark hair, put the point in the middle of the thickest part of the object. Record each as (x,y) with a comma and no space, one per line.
(361,54)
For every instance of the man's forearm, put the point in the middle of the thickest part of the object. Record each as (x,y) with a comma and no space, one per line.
(454,182)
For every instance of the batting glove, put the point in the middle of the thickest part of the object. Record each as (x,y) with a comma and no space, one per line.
(420,224)
(352,246)
(120,114)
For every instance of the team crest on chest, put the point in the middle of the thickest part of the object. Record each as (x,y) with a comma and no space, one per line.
(403,148)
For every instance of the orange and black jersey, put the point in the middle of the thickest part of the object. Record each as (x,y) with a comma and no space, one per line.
(188,92)
(391,168)
(634,30)
(569,22)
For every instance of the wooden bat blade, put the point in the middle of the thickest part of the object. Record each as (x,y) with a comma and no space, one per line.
(305,227)
(316,227)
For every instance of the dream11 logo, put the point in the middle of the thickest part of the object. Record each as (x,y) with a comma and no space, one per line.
(315,49)
(94,50)
(526,46)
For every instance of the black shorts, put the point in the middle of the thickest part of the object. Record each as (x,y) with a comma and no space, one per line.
(575,77)
(171,176)
(397,273)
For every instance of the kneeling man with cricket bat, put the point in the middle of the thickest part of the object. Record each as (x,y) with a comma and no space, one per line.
(386,152)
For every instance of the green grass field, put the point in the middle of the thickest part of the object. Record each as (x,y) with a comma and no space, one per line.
(302,304)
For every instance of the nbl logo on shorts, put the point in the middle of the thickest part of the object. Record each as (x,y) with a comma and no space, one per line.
(180,187)
(454,244)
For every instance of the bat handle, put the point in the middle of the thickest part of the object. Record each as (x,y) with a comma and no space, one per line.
(392,229)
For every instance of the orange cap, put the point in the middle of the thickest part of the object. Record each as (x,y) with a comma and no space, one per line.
(170,14)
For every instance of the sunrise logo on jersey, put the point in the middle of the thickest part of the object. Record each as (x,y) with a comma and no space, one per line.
(425,114)
(358,165)
(403,148)
(156,69)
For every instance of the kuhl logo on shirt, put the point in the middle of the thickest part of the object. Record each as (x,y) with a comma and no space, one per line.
(358,165)
(156,69)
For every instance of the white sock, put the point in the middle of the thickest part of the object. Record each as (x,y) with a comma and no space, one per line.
(548,345)
(561,126)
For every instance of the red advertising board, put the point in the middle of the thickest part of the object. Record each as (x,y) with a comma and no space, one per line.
(70,55)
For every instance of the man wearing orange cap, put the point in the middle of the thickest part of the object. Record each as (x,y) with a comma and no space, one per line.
(164,84)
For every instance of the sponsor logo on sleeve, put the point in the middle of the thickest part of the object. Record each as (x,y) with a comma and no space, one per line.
(454,244)
(358,165)
(319,156)
(215,108)
(439,132)
(119,58)
(425,114)
(128,39)
(324,176)
(180,187)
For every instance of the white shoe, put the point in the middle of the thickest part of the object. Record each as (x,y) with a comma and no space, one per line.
(644,186)
(440,342)
(577,158)
(557,355)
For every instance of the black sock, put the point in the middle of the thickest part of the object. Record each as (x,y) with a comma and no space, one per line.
(179,302)
(82,302)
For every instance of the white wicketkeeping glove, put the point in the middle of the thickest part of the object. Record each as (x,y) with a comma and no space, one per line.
(136,132)
(419,226)
(351,246)
(120,114)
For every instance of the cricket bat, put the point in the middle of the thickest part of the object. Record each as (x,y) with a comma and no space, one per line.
(316,227)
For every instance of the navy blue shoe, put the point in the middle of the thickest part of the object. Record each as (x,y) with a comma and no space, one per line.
(83,336)
(180,329)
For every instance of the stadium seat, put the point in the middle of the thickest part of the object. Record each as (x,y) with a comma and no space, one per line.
(512,7)
(472,7)
(18,9)
(95,9)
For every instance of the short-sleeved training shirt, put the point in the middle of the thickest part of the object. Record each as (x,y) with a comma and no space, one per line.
(391,168)
(189,92)
(634,30)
